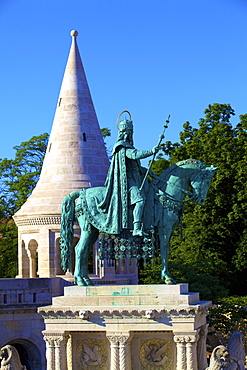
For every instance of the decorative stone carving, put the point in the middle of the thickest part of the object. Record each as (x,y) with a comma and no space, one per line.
(120,350)
(136,313)
(232,358)
(9,359)
(156,354)
(70,353)
(186,351)
(91,354)
(124,355)
(56,350)
(191,352)
(49,220)
(153,315)
(114,351)
(50,351)
(84,314)
(150,314)
(181,352)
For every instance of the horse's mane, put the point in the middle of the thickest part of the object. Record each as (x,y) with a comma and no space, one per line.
(194,163)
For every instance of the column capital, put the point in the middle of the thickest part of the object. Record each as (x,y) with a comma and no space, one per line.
(186,338)
(191,338)
(179,339)
(60,340)
(54,339)
(120,337)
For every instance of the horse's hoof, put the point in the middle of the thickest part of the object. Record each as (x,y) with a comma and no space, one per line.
(88,281)
(170,281)
(79,281)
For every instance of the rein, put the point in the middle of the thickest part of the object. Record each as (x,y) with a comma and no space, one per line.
(183,191)
(170,197)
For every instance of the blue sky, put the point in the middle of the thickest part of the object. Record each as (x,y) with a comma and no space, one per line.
(151,57)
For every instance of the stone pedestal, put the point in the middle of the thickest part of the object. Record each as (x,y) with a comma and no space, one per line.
(126,327)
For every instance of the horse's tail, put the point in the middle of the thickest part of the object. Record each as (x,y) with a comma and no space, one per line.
(66,230)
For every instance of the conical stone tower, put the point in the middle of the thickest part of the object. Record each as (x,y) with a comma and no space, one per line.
(75,158)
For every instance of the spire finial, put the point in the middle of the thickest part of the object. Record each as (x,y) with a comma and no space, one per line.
(74,33)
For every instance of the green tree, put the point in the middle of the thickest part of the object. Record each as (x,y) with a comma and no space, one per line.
(229,316)
(18,178)
(8,247)
(215,236)
(105,132)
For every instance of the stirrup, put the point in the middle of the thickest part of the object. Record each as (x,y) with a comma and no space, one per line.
(139,232)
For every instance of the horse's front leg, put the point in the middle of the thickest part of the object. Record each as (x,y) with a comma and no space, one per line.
(87,239)
(164,237)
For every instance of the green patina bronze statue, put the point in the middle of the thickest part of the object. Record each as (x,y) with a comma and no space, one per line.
(135,215)
(123,182)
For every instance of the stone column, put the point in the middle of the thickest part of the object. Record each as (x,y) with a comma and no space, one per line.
(201,347)
(31,252)
(60,352)
(50,351)
(124,355)
(69,353)
(191,353)
(186,351)
(114,351)
(56,350)
(120,350)
(181,352)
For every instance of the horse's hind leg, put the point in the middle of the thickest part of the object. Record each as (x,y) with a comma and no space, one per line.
(164,237)
(87,239)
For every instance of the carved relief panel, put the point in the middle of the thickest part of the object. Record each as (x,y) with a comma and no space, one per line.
(153,351)
(90,351)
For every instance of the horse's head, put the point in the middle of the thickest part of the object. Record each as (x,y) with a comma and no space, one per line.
(200,183)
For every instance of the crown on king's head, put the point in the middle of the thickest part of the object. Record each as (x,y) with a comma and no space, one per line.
(125,124)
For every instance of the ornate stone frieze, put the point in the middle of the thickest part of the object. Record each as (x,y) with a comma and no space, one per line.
(46,220)
(121,314)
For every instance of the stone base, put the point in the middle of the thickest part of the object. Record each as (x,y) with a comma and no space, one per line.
(126,327)
(108,279)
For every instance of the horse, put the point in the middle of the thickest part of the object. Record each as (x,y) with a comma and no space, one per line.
(165,196)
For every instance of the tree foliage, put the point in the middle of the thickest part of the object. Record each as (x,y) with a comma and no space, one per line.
(105,132)
(229,316)
(215,233)
(18,178)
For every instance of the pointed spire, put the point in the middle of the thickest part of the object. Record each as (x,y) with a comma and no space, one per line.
(76,156)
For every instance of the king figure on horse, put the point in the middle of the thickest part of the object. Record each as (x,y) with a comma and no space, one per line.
(139,214)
